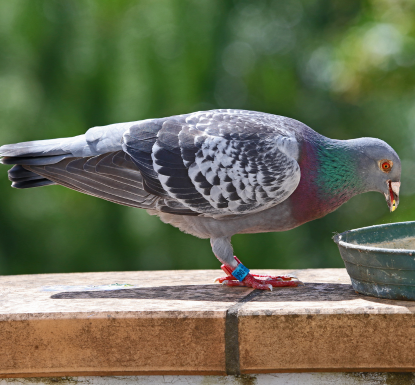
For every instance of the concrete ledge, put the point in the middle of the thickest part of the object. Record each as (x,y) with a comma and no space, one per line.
(247,379)
(163,324)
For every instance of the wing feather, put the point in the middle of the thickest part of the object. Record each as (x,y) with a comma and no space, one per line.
(113,177)
(218,163)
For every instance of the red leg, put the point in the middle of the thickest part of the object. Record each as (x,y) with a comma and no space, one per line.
(256,281)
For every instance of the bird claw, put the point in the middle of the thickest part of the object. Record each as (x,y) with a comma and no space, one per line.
(287,277)
(222,279)
(257,281)
(261,282)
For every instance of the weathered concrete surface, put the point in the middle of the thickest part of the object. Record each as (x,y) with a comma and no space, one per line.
(259,379)
(77,324)
(161,324)
(325,326)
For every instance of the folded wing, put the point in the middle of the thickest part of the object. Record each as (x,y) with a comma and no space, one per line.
(217,163)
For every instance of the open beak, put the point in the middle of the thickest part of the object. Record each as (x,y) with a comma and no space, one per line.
(392,198)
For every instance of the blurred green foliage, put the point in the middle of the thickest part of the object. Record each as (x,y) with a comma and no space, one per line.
(345,68)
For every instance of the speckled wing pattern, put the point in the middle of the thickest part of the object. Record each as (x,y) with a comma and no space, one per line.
(216,163)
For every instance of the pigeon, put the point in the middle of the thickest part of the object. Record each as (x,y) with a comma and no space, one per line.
(214,174)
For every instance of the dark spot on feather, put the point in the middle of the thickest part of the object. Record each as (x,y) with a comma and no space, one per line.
(229,187)
(226,178)
(199,177)
(234,196)
(204,184)
(179,183)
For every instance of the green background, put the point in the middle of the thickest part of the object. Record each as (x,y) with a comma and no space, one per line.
(345,68)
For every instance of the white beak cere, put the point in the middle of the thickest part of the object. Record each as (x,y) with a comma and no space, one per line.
(393,197)
(395,187)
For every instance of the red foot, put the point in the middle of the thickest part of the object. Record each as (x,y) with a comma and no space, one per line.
(257,281)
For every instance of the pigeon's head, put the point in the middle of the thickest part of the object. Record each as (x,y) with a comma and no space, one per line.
(380,168)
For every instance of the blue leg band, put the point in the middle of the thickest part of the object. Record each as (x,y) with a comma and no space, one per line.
(240,272)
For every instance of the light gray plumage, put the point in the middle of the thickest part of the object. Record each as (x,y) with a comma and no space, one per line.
(212,174)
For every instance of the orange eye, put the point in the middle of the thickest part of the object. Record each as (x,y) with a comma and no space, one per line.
(385,166)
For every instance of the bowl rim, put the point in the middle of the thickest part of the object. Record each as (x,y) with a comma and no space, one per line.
(337,238)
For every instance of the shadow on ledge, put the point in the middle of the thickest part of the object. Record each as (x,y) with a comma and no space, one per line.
(217,293)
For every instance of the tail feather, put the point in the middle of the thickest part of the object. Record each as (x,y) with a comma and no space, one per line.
(36,148)
(23,178)
(33,183)
(35,161)
(35,153)
(96,141)
(18,172)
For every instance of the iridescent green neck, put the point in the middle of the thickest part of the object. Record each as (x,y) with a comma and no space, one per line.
(338,173)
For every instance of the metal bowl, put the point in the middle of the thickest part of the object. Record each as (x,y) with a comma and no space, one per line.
(380,260)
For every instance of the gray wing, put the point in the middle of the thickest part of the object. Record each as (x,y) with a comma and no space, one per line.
(217,163)
(93,163)
(113,177)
